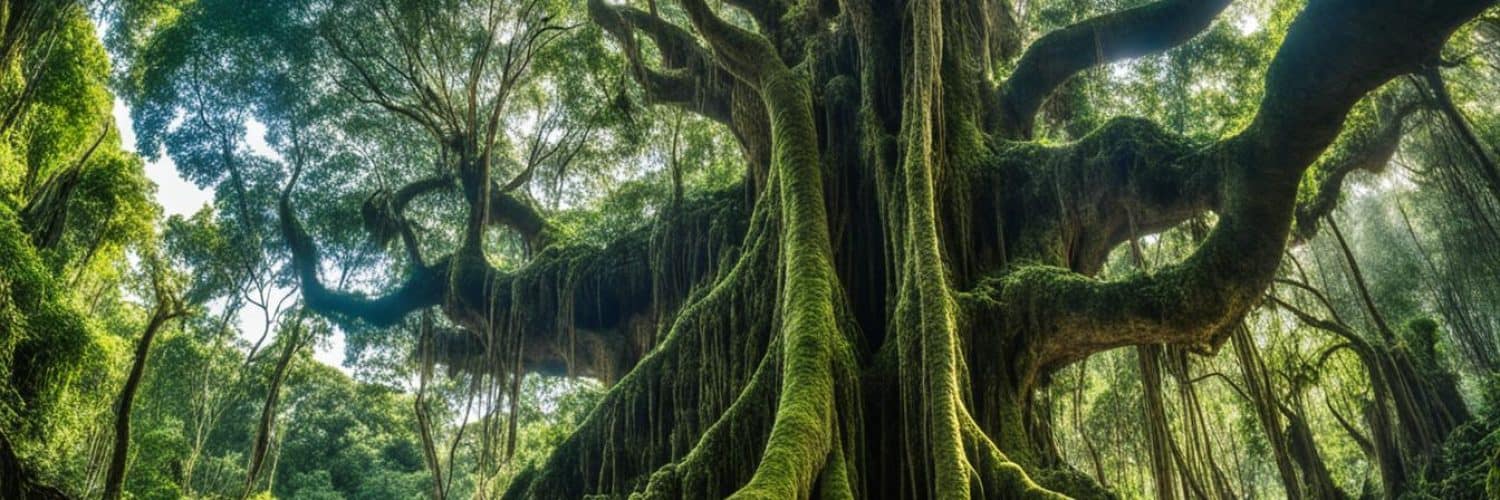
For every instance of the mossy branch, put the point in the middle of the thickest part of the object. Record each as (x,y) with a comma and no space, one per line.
(1059,55)
(1126,179)
(1367,145)
(748,56)
(1334,53)
(422,287)
(688,77)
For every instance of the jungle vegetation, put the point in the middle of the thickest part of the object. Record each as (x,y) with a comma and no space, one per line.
(1195,249)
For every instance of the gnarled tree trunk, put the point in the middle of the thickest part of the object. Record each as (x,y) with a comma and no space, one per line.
(875,323)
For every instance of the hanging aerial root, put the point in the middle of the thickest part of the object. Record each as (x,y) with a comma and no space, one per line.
(722,442)
(998,476)
(653,416)
(730,447)
(925,317)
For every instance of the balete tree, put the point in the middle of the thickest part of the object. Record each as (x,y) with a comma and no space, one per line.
(907,256)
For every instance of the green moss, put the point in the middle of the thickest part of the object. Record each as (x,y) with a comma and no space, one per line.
(801,435)
(694,391)
(44,343)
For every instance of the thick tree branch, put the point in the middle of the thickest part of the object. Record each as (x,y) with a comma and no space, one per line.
(1059,55)
(1366,147)
(1335,52)
(689,78)
(1128,179)
(384,213)
(748,56)
(518,214)
(422,288)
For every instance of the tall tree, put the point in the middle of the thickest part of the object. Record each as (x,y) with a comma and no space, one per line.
(167,307)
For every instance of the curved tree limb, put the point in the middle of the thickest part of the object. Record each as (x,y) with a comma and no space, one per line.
(748,56)
(1317,294)
(422,288)
(1127,179)
(518,214)
(1227,381)
(689,77)
(1367,147)
(1097,41)
(1334,327)
(1335,52)
(384,213)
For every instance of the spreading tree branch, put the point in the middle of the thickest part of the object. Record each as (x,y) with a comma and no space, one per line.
(1097,41)
(1366,147)
(747,55)
(384,213)
(423,286)
(1335,52)
(1127,179)
(689,78)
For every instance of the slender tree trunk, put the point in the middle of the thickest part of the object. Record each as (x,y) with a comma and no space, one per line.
(115,479)
(268,411)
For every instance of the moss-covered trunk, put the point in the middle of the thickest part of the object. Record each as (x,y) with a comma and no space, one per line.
(877,322)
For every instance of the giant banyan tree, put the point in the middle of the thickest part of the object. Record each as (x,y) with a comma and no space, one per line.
(869,313)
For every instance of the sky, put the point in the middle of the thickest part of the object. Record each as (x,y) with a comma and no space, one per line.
(177,196)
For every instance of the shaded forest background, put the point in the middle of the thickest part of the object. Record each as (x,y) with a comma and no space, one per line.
(105,299)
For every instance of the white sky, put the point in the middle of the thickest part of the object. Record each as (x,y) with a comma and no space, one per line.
(177,196)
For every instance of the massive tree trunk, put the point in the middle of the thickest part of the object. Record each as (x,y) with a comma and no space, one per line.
(876,322)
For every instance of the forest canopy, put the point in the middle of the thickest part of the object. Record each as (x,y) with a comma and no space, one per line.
(1194,249)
